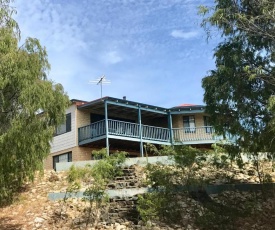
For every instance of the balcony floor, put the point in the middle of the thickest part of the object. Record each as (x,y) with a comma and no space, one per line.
(123,138)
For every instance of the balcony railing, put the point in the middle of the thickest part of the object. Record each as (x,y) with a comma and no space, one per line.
(150,133)
(91,131)
(155,133)
(193,134)
(122,128)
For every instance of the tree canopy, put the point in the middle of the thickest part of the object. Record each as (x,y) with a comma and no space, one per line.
(31,106)
(239,92)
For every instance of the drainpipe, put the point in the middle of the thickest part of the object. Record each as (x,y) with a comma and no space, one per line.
(140,132)
(106,127)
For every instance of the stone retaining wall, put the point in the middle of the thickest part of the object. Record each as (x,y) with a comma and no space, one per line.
(122,208)
(63,166)
(130,179)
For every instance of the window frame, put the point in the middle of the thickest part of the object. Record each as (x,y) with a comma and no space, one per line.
(67,124)
(207,125)
(187,120)
(69,158)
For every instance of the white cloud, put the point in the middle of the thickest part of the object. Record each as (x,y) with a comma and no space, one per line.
(184,35)
(111,57)
(86,39)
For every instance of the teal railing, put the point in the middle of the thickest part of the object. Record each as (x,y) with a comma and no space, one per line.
(92,131)
(155,133)
(193,134)
(150,133)
(122,128)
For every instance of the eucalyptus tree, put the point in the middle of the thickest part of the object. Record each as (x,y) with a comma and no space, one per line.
(31,106)
(239,91)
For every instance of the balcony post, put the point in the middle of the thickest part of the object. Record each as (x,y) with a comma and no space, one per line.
(106,127)
(140,132)
(170,125)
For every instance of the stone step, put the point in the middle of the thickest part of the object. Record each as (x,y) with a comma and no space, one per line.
(123,185)
(126,177)
(128,170)
(126,180)
(114,205)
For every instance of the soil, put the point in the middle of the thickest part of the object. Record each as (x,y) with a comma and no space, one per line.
(32,209)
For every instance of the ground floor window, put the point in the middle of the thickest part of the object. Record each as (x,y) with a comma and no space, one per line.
(65,157)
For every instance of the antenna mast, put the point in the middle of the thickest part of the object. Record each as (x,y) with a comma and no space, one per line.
(100,81)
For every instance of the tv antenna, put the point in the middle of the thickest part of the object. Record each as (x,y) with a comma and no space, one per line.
(100,81)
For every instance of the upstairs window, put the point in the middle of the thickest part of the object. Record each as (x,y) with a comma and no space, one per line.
(189,124)
(66,126)
(208,127)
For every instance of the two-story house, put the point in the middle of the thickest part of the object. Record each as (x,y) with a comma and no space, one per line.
(119,124)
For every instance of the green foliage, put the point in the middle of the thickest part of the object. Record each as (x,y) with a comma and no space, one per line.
(99,154)
(163,203)
(219,157)
(254,19)
(186,156)
(224,211)
(160,206)
(101,172)
(177,191)
(160,176)
(95,178)
(215,219)
(163,150)
(238,92)
(109,166)
(31,106)
(188,161)
(149,205)
(77,174)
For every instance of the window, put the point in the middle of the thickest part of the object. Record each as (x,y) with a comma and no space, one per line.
(66,126)
(208,127)
(189,124)
(66,157)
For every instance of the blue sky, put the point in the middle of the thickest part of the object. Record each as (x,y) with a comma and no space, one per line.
(152,51)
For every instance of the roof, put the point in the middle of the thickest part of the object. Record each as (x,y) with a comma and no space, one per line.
(118,106)
(99,104)
(182,105)
(188,107)
(122,101)
(78,102)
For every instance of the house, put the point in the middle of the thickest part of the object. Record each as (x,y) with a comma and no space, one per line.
(124,125)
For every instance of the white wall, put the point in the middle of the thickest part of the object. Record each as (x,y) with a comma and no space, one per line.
(63,166)
(66,140)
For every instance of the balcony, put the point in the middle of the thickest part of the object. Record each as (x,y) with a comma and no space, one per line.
(151,134)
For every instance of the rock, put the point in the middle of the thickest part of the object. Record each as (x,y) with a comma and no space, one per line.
(149,223)
(38,225)
(120,227)
(140,222)
(53,178)
(155,228)
(38,220)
